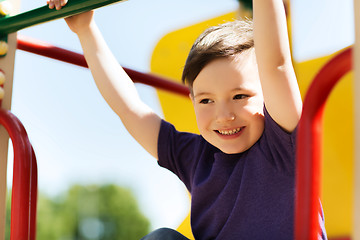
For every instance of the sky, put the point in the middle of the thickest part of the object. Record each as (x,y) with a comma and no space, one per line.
(76,136)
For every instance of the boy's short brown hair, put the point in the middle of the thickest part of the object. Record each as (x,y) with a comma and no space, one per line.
(225,40)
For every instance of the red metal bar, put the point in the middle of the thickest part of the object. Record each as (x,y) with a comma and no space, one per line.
(309,146)
(33,195)
(48,50)
(24,188)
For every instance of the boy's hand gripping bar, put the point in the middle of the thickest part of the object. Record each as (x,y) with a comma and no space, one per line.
(10,24)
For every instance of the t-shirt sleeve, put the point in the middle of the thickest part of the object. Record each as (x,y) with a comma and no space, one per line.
(177,152)
(281,145)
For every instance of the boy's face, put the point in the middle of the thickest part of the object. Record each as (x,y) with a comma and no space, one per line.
(228,103)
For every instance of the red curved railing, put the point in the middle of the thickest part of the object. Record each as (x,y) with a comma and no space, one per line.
(48,50)
(24,187)
(309,145)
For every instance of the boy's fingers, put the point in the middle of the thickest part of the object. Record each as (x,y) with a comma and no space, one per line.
(63,2)
(51,4)
(54,4)
(57,4)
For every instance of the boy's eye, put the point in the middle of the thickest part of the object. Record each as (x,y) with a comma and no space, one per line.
(240,96)
(205,101)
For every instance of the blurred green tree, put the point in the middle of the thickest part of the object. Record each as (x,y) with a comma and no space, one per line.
(246,3)
(8,212)
(89,213)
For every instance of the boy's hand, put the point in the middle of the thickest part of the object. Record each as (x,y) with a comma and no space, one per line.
(58,4)
(80,22)
(76,23)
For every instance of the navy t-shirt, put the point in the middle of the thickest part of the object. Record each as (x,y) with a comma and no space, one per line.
(249,195)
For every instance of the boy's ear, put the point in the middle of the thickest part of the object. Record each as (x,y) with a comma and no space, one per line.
(191,97)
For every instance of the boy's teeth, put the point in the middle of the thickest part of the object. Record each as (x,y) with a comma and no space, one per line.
(230,132)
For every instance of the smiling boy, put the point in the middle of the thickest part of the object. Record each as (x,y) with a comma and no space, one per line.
(240,170)
(229,113)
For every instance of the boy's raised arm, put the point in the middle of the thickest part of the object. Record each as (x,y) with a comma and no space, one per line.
(280,89)
(115,85)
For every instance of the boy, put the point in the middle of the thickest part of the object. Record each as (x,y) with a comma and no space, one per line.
(241,170)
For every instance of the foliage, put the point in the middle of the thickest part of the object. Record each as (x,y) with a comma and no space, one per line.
(90,212)
(8,211)
(246,3)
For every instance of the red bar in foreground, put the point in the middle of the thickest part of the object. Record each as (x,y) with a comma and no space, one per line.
(24,187)
(309,146)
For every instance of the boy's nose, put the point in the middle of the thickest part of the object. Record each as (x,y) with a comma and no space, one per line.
(225,114)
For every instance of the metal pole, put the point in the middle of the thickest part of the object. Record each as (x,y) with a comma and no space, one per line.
(356,58)
(309,146)
(7,67)
(61,54)
(44,14)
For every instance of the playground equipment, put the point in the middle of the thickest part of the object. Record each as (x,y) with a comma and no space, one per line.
(356,233)
(308,176)
(10,24)
(48,50)
(309,145)
(24,196)
(24,191)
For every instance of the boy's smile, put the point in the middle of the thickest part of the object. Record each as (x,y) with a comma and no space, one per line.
(228,103)
(231,133)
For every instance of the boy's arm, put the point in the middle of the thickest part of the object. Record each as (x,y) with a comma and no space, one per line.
(115,85)
(280,89)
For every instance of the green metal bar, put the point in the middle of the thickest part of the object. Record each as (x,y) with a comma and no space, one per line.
(10,24)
